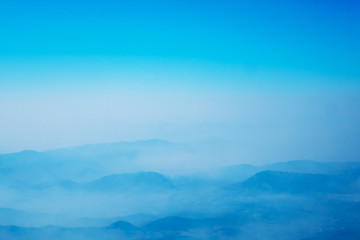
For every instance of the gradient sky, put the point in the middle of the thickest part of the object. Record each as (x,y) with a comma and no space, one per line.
(276,80)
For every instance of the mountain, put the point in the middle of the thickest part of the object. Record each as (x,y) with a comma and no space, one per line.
(300,183)
(240,172)
(289,218)
(308,166)
(173,223)
(138,219)
(123,226)
(140,181)
(237,173)
(79,163)
(175,227)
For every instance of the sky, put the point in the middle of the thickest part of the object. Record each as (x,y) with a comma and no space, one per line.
(274,80)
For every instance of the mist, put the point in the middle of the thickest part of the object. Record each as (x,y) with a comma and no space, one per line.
(189,120)
(119,189)
(310,125)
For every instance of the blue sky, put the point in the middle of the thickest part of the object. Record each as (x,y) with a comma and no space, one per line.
(76,72)
(318,37)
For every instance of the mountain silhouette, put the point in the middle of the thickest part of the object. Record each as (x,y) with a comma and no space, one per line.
(299,183)
(140,181)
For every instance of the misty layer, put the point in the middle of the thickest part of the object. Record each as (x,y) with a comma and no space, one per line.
(109,191)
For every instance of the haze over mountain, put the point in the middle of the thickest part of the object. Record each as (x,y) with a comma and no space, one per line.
(194,120)
(78,192)
(86,162)
(141,181)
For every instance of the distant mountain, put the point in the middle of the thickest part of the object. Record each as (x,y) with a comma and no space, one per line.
(308,166)
(300,183)
(237,173)
(81,164)
(175,227)
(297,220)
(138,219)
(110,150)
(140,181)
(240,172)
(123,226)
(9,216)
(173,223)
(78,163)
